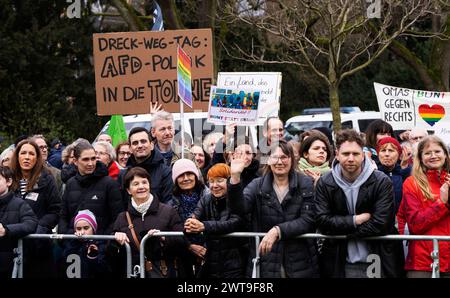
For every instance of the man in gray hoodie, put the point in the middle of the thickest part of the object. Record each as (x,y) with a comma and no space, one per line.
(358,201)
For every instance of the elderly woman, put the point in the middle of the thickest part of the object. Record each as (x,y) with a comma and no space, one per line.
(5,157)
(36,185)
(107,155)
(426,205)
(146,215)
(376,130)
(188,190)
(202,159)
(123,153)
(280,204)
(315,152)
(226,256)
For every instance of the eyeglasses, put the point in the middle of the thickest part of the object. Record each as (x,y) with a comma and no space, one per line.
(418,138)
(43,147)
(124,153)
(101,153)
(275,159)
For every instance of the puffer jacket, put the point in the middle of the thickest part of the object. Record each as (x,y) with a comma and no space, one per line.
(333,218)
(259,204)
(45,201)
(96,192)
(426,217)
(160,177)
(18,220)
(225,257)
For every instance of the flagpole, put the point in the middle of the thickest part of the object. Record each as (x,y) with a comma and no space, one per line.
(182,127)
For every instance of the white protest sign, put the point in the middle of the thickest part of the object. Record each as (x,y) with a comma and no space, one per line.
(233,106)
(405,108)
(268,83)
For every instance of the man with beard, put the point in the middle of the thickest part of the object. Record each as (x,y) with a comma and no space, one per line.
(144,156)
(356,200)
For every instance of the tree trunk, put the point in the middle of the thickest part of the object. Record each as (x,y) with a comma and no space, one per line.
(335,106)
(170,13)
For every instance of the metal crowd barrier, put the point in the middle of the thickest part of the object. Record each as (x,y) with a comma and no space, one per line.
(255,273)
(18,260)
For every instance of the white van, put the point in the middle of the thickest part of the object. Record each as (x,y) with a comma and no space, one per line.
(358,121)
(195,125)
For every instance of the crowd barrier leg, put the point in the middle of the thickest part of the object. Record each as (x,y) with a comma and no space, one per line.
(255,260)
(435,268)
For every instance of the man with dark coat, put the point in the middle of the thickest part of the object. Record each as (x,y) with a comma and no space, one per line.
(144,156)
(356,200)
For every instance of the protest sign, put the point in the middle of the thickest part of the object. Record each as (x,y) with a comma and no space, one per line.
(233,106)
(406,108)
(133,69)
(268,83)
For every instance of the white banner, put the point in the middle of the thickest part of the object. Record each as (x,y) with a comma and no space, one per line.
(268,83)
(405,108)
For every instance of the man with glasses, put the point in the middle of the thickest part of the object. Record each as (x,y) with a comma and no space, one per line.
(273,131)
(356,200)
(280,204)
(43,147)
(144,156)
(416,135)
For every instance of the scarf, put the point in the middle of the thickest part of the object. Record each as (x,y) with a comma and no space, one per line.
(142,208)
(188,203)
(303,164)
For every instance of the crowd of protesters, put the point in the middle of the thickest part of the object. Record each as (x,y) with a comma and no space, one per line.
(358,185)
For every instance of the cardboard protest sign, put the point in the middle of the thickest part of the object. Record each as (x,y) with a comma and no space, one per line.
(233,106)
(133,69)
(268,83)
(405,108)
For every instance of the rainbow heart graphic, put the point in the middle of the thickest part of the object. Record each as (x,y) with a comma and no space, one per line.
(431,115)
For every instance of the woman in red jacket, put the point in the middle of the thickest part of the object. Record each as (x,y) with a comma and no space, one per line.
(427,208)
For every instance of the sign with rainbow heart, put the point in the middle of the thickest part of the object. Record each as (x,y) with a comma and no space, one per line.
(406,108)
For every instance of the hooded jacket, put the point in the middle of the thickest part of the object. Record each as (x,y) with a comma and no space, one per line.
(18,220)
(333,217)
(96,192)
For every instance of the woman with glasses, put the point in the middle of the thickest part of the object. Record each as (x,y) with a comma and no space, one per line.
(107,155)
(123,153)
(35,184)
(280,204)
(426,206)
(91,188)
(224,257)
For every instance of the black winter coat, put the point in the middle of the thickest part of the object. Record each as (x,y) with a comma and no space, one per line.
(294,216)
(97,192)
(397,176)
(225,256)
(375,197)
(159,216)
(45,201)
(160,177)
(18,220)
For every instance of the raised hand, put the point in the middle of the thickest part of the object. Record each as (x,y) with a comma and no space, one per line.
(237,166)
(444,189)
(229,132)
(156,108)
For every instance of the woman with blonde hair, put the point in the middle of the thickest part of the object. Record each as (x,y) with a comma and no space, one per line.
(425,203)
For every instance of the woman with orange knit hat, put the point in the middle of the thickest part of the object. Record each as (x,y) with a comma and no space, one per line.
(225,256)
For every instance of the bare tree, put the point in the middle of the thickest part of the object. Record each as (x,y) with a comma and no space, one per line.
(334,38)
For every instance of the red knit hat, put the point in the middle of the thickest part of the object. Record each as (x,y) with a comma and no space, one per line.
(389,140)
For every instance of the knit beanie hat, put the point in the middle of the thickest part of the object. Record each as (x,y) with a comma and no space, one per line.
(182,166)
(219,170)
(87,216)
(389,140)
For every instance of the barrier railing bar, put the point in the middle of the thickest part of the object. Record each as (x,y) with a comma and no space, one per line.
(435,256)
(66,237)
